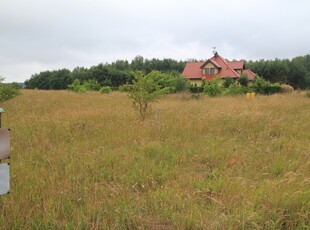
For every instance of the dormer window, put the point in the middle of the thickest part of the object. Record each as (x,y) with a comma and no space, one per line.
(209,71)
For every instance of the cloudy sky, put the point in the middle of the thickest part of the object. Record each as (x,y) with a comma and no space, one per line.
(38,35)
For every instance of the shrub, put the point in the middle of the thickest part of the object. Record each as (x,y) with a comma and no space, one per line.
(272,89)
(243,79)
(77,87)
(114,88)
(308,94)
(236,89)
(260,85)
(124,88)
(286,89)
(92,85)
(8,92)
(178,84)
(228,81)
(16,85)
(213,87)
(144,91)
(105,89)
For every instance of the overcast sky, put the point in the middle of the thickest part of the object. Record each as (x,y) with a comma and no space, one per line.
(38,35)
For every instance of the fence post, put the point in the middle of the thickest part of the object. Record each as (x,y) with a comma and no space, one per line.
(1,111)
(158,116)
(4,154)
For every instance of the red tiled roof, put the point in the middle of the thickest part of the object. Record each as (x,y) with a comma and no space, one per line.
(226,70)
(210,60)
(236,64)
(192,70)
(250,74)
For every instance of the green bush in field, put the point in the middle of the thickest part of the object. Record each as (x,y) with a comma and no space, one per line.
(236,89)
(124,88)
(77,87)
(92,85)
(274,88)
(264,87)
(105,89)
(260,85)
(7,91)
(172,82)
(228,81)
(243,79)
(214,88)
(286,88)
(145,90)
(308,94)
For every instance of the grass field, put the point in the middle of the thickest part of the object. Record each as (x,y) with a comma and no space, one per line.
(86,161)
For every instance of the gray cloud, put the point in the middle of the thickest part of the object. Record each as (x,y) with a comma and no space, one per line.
(38,35)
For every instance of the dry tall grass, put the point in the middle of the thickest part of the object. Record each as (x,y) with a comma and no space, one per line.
(87,162)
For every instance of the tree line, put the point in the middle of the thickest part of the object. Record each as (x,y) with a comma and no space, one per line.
(295,72)
(115,74)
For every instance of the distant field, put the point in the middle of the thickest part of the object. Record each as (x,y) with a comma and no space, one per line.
(86,161)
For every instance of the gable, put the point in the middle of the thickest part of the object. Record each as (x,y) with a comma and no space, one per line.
(210,64)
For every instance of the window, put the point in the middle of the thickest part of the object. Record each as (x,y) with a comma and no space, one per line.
(209,71)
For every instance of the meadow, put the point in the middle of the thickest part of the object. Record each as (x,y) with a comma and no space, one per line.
(86,161)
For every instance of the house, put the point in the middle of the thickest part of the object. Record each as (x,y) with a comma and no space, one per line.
(216,66)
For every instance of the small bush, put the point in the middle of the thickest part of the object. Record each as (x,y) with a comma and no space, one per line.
(8,92)
(228,81)
(308,94)
(92,85)
(286,89)
(243,79)
(272,89)
(144,91)
(124,88)
(236,89)
(105,89)
(260,85)
(213,87)
(16,85)
(77,87)
(114,88)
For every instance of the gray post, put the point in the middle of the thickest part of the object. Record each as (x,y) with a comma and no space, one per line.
(1,111)
(158,116)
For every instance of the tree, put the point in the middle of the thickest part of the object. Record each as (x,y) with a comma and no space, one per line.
(144,92)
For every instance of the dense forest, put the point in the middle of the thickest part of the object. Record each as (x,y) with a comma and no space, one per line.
(295,72)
